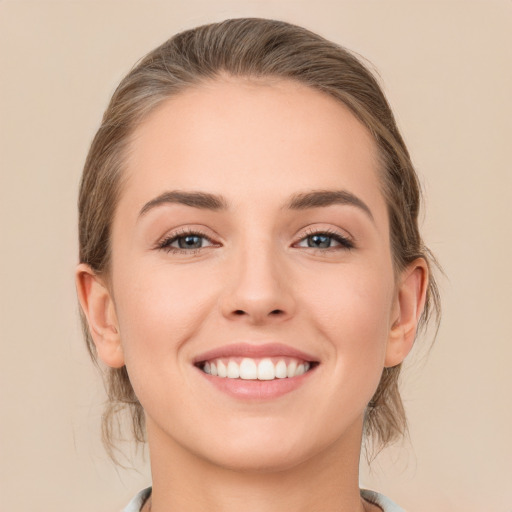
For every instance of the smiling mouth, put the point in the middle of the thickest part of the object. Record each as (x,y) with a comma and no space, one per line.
(246,368)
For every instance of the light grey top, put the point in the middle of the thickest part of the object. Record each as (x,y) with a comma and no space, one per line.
(373,497)
(381,501)
(136,504)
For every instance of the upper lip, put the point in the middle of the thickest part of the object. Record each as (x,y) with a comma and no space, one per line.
(254,351)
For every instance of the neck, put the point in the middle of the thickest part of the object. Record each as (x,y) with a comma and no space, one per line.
(328,481)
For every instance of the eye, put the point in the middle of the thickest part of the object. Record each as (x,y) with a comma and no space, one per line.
(325,240)
(185,241)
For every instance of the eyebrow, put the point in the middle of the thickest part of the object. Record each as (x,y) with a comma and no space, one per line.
(202,200)
(323,198)
(301,201)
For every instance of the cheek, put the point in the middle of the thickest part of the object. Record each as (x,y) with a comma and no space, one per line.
(158,310)
(354,313)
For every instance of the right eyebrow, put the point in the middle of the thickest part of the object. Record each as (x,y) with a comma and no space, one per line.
(202,200)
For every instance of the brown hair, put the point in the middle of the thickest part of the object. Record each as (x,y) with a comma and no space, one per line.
(250,48)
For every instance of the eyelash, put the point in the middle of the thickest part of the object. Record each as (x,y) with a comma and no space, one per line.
(345,242)
(165,244)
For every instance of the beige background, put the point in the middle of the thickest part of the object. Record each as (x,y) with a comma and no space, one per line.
(446,69)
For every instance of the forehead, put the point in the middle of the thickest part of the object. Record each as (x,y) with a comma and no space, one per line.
(247,139)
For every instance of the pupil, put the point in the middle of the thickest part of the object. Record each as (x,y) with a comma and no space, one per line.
(322,241)
(190,242)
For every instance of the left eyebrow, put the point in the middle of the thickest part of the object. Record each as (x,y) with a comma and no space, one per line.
(323,198)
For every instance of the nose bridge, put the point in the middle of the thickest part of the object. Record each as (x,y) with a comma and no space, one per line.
(258,290)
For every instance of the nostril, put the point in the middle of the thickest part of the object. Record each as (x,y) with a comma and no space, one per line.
(275,312)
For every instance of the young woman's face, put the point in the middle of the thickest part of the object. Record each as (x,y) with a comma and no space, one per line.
(252,236)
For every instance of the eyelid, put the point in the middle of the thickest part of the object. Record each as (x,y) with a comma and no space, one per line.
(345,240)
(163,243)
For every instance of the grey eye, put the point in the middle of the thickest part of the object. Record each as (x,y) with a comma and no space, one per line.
(319,241)
(325,241)
(190,242)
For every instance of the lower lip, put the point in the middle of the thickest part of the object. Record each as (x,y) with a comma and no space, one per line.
(257,389)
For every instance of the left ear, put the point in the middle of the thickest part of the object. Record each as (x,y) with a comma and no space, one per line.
(410,300)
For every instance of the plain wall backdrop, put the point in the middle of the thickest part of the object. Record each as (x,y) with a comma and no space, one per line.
(446,69)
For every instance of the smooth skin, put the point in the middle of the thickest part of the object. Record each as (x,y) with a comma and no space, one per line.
(188,278)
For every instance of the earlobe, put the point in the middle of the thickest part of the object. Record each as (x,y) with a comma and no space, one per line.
(410,301)
(98,307)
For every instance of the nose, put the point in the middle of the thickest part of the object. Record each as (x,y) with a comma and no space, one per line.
(258,290)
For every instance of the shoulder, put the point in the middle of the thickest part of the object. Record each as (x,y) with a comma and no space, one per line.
(138,501)
(381,501)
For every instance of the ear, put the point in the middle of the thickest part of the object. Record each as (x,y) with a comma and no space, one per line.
(98,307)
(410,301)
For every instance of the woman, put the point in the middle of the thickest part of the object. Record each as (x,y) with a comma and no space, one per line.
(251,271)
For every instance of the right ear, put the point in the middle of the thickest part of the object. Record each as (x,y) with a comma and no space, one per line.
(98,307)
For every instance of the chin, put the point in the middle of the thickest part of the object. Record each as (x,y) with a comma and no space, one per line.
(261,447)
(257,459)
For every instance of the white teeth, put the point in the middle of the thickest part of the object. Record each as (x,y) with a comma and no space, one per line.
(266,370)
(281,370)
(233,370)
(221,369)
(249,369)
(290,372)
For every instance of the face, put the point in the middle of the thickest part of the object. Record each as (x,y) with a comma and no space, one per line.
(252,238)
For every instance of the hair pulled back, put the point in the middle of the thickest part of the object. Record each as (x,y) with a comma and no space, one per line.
(249,48)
